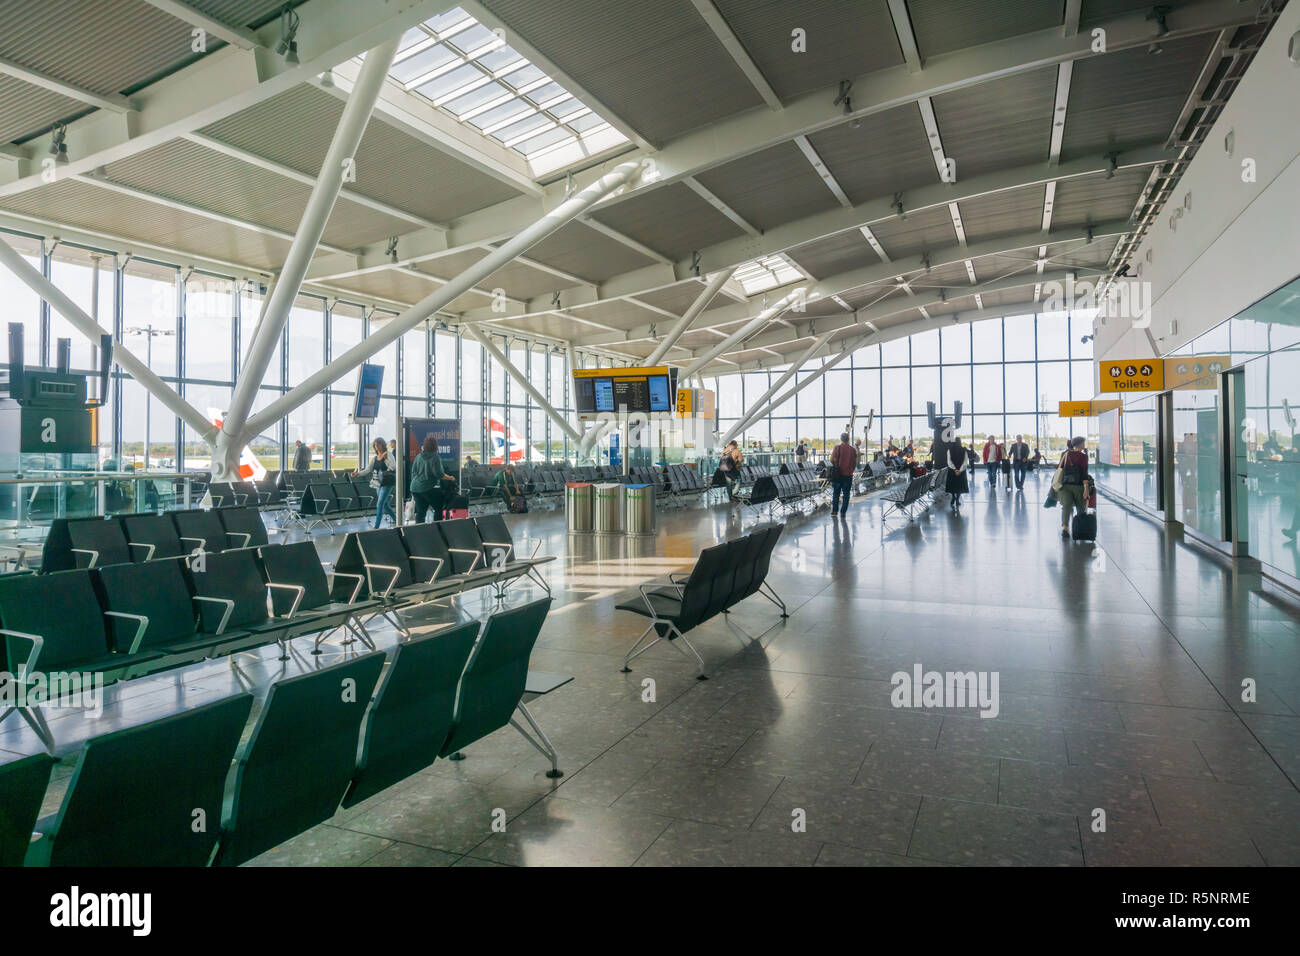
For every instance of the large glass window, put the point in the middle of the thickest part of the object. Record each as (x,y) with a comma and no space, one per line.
(209,319)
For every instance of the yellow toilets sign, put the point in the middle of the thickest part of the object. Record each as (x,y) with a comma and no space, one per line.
(1132,375)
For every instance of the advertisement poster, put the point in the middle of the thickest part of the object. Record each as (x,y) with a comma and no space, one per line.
(446,431)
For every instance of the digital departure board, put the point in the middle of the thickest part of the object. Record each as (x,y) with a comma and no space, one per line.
(634,390)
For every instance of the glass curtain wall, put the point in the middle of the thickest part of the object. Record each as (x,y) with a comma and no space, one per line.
(1010,374)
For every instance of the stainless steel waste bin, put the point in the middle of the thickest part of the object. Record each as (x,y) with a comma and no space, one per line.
(607,511)
(639,510)
(577,506)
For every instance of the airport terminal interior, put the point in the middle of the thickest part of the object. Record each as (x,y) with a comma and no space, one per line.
(650,433)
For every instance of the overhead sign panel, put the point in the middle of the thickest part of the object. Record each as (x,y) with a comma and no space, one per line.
(1194,370)
(1132,375)
(605,391)
(1087,409)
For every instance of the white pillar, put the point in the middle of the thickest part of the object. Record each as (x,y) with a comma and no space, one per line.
(338,159)
(746,330)
(681,325)
(759,404)
(566,211)
(522,380)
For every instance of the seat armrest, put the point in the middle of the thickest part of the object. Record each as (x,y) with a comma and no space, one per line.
(240,534)
(509,548)
(436,571)
(94,555)
(356,588)
(37,643)
(297,597)
(645,595)
(678,574)
(536,546)
(229,605)
(148,554)
(142,624)
(203,542)
(478,556)
(391,581)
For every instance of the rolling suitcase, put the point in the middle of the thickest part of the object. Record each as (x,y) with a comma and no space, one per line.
(1084,527)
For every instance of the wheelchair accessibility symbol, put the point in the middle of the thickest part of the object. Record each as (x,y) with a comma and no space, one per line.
(1130,370)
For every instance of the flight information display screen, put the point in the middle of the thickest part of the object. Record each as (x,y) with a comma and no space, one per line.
(584,394)
(604,394)
(660,394)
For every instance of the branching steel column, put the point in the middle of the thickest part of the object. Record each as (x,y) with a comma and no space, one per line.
(514,373)
(568,210)
(849,349)
(699,305)
(746,330)
(337,164)
(91,329)
(779,384)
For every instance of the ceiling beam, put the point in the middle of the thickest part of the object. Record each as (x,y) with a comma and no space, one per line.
(306,179)
(628,241)
(704,193)
(823,171)
(722,30)
(906,38)
(1070,21)
(224,83)
(113,102)
(237,36)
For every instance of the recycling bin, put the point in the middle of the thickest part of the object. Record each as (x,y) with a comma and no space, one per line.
(607,510)
(639,509)
(577,506)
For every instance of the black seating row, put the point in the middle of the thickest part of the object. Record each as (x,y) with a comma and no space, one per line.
(916,496)
(681,482)
(420,563)
(126,539)
(237,494)
(134,794)
(124,620)
(723,576)
(323,502)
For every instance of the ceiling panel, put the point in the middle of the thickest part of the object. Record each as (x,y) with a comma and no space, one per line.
(621,314)
(295,129)
(770,187)
(678,298)
(671,220)
(656,65)
(1091,199)
(885,154)
(585,252)
(1130,97)
(1002,213)
(1097,11)
(999,124)
(835,254)
(909,237)
(942,26)
(845,39)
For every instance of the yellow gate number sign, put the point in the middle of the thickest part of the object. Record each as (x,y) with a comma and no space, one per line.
(1132,375)
(683,403)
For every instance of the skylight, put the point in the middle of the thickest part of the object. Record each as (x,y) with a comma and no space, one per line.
(759,275)
(473,74)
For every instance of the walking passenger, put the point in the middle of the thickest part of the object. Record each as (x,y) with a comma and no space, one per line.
(958,483)
(992,460)
(1019,455)
(844,461)
(383,478)
(1073,491)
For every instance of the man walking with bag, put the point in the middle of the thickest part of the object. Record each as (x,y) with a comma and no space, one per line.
(844,461)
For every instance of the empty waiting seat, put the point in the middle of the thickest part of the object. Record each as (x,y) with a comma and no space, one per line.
(151,608)
(148,795)
(97,542)
(203,530)
(22,789)
(492,686)
(412,711)
(152,537)
(300,759)
(244,527)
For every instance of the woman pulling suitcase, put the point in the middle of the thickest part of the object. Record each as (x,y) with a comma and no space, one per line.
(1074,489)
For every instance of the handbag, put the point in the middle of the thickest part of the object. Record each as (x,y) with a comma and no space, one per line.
(518,506)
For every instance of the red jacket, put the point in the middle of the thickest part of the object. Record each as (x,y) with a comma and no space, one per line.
(844,459)
(996,449)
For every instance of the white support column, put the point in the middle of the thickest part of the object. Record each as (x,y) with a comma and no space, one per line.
(827,365)
(275,311)
(749,328)
(684,323)
(88,327)
(393,329)
(788,374)
(522,380)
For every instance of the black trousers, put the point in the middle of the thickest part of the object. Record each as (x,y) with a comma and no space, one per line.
(1018,469)
(426,501)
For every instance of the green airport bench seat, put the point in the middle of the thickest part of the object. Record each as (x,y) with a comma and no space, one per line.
(233,594)
(149,795)
(411,714)
(495,534)
(300,759)
(151,606)
(492,686)
(301,592)
(244,526)
(467,545)
(98,542)
(391,575)
(22,790)
(427,547)
(203,531)
(152,537)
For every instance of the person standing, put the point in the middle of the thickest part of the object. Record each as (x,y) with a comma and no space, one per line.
(992,460)
(383,478)
(844,461)
(301,457)
(428,478)
(729,465)
(801,452)
(1073,492)
(1019,455)
(958,484)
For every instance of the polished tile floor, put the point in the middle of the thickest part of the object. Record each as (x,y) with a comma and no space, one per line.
(1124,735)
